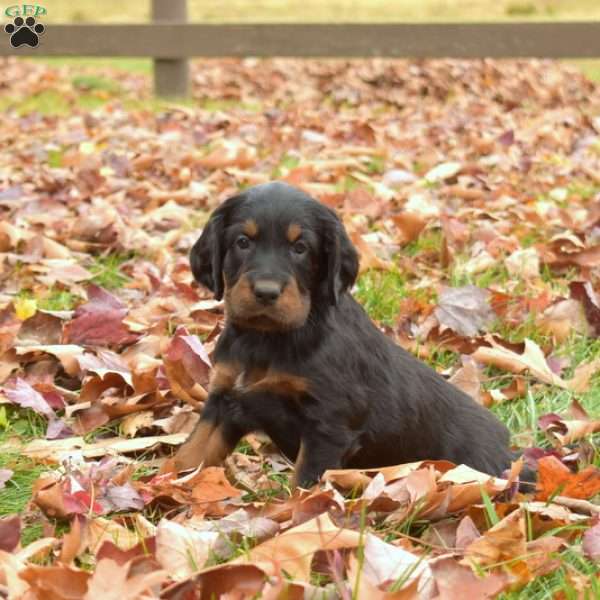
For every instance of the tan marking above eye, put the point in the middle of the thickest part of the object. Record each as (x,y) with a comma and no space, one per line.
(294,231)
(250,228)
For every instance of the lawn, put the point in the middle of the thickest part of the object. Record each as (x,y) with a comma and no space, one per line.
(476,178)
(212,11)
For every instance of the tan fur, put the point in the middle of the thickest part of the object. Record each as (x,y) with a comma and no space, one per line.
(294,231)
(250,228)
(280,383)
(206,445)
(223,377)
(298,465)
(290,310)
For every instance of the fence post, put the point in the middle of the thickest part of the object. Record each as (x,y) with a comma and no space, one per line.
(171,75)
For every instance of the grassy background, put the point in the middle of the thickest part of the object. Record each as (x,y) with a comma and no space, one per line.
(219,11)
(302,11)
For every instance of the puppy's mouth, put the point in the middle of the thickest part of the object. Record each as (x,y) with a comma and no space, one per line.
(289,311)
(263,318)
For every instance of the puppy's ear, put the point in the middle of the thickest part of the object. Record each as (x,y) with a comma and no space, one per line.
(207,254)
(341,258)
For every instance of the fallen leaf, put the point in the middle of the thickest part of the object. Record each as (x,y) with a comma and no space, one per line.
(5,475)
(409,226)
(562,319)
(591,542)
(99,321)
(584,293)
(293,549)
(181,550)
(565,431)
(10,533)
(465,310)
(468,378)
(443,171)
(385,564)
(532,360)
(75,446)
(456,582)
(554,478)
(24,395)
(211,485)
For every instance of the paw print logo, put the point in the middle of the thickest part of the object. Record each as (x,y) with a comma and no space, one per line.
(24,32)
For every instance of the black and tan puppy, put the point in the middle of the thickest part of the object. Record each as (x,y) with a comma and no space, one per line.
(300,360)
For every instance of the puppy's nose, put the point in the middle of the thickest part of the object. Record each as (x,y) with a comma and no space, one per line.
(267,291)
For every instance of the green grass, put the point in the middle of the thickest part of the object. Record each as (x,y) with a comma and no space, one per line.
(58,299)
(107,271)
(380,293)
(95,82)
(17,493)
(429,241)
(23,425)
(496,274)
(544,588)
(213,11)
(84,64)
(51,103)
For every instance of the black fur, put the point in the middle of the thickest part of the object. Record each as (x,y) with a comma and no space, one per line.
(368,402)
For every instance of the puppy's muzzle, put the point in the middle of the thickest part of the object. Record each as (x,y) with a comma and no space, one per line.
(266,291)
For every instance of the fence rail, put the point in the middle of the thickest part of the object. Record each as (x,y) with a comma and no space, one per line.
(170,43)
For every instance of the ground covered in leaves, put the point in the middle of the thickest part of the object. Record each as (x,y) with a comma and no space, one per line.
(471,190)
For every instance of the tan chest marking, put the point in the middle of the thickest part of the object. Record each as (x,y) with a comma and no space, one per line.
(231,377)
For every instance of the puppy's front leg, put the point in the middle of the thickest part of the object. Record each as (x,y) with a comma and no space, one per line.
(316,455)
(214,437)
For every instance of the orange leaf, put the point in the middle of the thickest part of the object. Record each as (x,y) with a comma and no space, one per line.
(554,478)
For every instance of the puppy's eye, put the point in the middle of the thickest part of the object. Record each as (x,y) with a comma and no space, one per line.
(243,242)
(300,247)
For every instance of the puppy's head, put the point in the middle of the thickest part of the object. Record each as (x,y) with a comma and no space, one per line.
(274,252)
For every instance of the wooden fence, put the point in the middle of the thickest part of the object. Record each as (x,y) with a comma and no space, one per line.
(170,40)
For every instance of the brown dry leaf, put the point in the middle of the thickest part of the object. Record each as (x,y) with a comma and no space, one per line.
(224,581)
(566,431)
(560,320)
(112,581)
(100,530)
(591,542)
(468,378)
(58,449)
(584,293)
(181,550)
(9,328)
(504,541)
(532,360)
(56,583)
(385,564)
(515,389)
(409,226)
(465,310)
(293,549)
(67,354)
(580,382)
(211,485)
(368,258)
(131,424)
(10,533)
(365,589)
(457,582)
